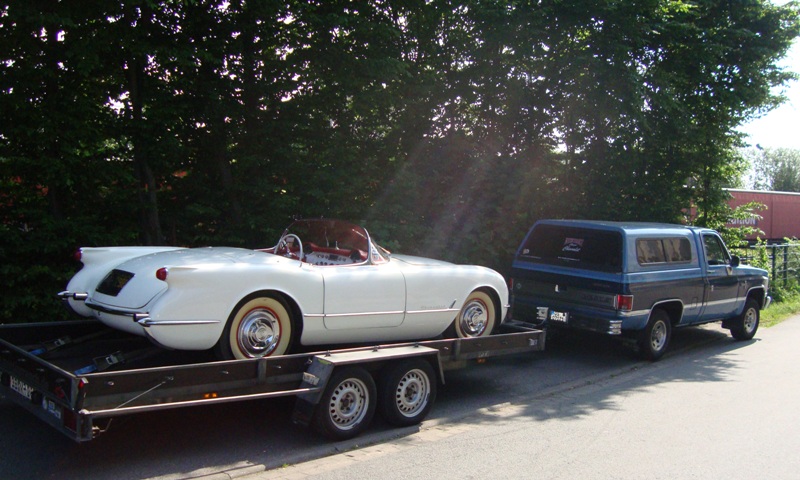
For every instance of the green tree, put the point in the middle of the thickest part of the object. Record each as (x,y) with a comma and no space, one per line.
(775,169)
(447,126)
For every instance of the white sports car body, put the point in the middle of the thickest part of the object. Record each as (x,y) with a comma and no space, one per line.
(325,282)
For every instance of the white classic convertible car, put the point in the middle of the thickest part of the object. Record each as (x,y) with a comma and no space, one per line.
(325,282)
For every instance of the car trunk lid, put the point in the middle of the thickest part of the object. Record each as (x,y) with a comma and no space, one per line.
(131,285)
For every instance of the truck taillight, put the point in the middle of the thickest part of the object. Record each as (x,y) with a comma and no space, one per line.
(77,255)
(625,303)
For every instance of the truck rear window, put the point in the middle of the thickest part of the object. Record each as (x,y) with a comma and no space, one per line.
(575,247)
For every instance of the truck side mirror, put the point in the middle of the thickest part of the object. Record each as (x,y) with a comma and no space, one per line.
(735,261)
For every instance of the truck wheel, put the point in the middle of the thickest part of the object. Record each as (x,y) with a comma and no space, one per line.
(654,339)
(745,325)
(260,326)
(347,405)
(406,392)
(477,317)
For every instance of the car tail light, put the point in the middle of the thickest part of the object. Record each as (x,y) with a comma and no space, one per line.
(625,303)
(162,273)
(78,255)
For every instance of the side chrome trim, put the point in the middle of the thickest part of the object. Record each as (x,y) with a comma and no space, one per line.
(148,322)
(370,314)
(362,314)
(438,310)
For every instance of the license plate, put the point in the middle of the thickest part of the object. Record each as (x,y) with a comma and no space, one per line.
(52,409)
(21,387)
(559,316)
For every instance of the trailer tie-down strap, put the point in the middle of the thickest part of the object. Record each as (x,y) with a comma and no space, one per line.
(104,362)
(49,346)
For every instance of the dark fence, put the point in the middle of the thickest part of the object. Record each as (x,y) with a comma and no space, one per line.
(782,261)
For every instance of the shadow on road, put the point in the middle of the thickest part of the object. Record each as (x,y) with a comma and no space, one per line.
(194,442)
(581,361)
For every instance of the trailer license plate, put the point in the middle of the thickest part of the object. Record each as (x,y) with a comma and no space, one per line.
(559,316)
(21,387)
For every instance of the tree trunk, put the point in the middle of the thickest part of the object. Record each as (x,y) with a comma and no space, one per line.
(150,227)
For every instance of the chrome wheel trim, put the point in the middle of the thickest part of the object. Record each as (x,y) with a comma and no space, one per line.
(658,336)
(259,333)
(474,318)
(750,320)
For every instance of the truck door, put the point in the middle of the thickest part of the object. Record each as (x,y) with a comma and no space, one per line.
(722,286)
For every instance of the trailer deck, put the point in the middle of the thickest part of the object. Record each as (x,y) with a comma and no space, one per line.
(84,374)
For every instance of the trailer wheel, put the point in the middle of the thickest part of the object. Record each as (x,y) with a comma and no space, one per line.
(745,325)
(260,326)
(406,392)
(477,317)
(654,339)
(347,405)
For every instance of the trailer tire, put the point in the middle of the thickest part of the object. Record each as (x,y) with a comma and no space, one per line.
(259,326)
(745,325)
(654,339)
(347,405)
(406,392)
(477,317)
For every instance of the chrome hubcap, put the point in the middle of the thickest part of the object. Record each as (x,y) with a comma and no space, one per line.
(474,318)
(259,333)
(750,320)
(659,336)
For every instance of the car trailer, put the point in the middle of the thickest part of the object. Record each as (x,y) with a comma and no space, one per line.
(86,374)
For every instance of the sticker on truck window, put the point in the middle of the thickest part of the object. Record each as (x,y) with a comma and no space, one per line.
(572,245)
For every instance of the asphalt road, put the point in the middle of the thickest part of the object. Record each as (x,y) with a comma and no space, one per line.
(711,408)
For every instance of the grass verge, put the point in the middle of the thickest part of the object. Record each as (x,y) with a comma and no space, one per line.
(780,311)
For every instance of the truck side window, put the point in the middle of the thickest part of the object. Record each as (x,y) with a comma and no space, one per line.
(663,250)
(715,252)
(650,250)
(678,249)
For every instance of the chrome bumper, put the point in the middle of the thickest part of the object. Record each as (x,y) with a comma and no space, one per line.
(78,296)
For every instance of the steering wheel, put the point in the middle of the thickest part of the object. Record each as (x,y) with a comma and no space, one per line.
(283,244)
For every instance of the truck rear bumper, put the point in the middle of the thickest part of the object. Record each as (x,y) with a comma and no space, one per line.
(576,321)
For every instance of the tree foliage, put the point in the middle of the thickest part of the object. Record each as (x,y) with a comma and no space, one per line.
(774,169)
(446,126)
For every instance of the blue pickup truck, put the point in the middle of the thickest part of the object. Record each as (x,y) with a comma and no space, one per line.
(635,280)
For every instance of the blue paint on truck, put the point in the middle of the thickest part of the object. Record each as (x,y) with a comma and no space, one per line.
(637,280)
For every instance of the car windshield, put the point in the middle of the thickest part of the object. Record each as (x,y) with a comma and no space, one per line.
(328,242)
(330,234)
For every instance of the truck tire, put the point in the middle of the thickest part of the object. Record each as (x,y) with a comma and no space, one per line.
(654,339)
(745,325)
(406,392)
(347,405)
